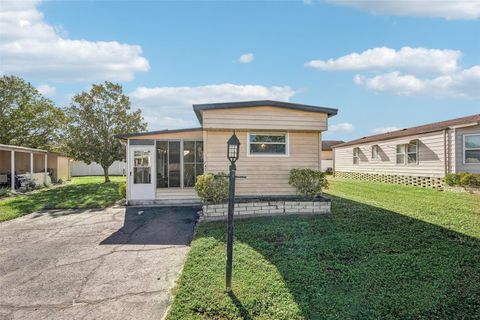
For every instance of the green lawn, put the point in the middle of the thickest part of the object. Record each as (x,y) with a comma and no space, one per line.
(81,192)
(386,252)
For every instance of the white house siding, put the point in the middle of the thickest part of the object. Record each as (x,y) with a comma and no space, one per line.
(80,168)
(459,165)
(431,157)
(265,175)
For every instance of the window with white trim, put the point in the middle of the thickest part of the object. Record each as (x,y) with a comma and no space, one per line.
(356,155)
(407,153)
(267,144)
(471,148)
(412,152)
(375,150)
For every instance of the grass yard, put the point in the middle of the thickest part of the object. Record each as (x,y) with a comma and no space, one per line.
(81,192)
(386,252)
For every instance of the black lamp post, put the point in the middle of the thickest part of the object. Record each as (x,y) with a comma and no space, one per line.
(233,151)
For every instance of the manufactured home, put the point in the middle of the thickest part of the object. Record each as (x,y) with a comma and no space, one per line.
(275,137)
(420,156)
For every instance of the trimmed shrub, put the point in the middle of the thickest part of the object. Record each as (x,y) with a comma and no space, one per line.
(4,192)
(212,188)
(122,190)
(470,180)
(308,183)
(463,179)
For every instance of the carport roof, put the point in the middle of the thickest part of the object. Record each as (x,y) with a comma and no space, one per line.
(7,147)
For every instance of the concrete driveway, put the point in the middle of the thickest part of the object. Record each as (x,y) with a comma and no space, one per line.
(92,264)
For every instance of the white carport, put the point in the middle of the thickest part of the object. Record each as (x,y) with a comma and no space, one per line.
(21,161)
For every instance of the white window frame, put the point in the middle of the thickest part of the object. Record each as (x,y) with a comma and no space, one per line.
(287,144)
(356,155)
(464,149)
(405,153)
(375,148)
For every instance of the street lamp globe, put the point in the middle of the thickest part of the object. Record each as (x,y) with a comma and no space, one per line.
(233,148)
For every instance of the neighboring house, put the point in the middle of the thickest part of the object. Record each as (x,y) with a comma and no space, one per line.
(327,153)
(275,137)
(80,168)
(420,156)
(42,166)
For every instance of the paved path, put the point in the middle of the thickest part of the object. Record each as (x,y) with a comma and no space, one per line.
(92,264)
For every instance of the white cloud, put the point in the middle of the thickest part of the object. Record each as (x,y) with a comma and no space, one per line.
(385,130)
(383,58)
(464,84)
(246,58)
(448,9)
(171,107)
(341,127)
(46,90)
(31,47)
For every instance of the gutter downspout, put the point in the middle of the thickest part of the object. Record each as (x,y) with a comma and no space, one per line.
(445,153)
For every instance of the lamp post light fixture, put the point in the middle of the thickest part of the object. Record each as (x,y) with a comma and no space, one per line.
(233,151)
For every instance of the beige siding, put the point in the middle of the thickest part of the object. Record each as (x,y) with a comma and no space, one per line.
(63,167)
(265,175)
(194,134)
(327,154)
(265,118)
(460,166)
(431,161)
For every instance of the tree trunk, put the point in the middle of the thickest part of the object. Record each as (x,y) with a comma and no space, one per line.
(105,173)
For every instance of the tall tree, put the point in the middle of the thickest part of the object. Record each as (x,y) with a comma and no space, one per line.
(95,117)
(26,117)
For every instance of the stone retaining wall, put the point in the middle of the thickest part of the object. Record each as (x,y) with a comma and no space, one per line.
(267,208)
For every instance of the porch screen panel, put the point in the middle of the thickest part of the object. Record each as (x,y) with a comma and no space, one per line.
(174,164)
(192,162)
(162,164)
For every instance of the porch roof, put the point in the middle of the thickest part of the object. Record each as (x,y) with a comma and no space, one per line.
(7,147)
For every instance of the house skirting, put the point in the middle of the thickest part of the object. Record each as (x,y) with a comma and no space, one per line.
(258,207)
(417,181)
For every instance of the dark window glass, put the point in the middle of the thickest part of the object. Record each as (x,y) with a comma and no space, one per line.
(189,175)
(472,156)
(199,152)
(189,151)
(267,138)
(174,163)
(267,148)
(162,164)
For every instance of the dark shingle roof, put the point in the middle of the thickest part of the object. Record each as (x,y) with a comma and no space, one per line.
(431,127)
(198,108)
(328,144)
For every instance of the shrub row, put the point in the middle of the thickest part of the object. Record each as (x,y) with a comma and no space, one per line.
(463,179)
(213,189)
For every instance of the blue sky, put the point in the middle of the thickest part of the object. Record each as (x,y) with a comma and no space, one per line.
(415,63)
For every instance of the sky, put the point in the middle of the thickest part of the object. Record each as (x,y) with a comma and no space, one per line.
(385,65)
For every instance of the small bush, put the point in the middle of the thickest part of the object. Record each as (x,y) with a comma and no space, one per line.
(212,188)
(309,183)
(463,179)
(122,190)
(470,180)
(4,192)
(60,181)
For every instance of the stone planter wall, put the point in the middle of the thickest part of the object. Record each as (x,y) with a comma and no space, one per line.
(260,207)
